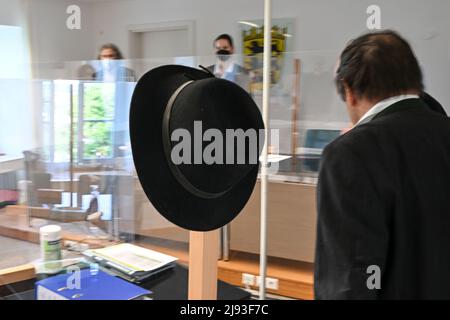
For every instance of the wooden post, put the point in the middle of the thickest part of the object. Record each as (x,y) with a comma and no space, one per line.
(203,255)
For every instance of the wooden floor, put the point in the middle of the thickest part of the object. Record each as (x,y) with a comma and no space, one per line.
(295,278)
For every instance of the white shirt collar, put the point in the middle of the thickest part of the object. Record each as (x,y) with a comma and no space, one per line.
(383,104)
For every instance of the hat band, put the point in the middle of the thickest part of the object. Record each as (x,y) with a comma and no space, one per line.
(179,176)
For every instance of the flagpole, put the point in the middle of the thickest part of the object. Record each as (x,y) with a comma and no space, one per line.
(264,164)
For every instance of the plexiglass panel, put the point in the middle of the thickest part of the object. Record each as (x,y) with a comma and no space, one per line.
(65,152)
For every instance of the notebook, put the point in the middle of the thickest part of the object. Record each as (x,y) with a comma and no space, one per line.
(131,262)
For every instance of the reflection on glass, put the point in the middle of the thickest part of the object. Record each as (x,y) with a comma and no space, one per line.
(84,141)
(64,118)
(97,139)
(98,101)
(98,120)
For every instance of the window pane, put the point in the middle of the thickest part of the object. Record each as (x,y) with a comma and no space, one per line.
(13,54)
(63,118)
(99,101)
(47,119)
(97,140)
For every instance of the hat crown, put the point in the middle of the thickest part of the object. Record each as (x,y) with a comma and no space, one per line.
(221,146)
(198,197)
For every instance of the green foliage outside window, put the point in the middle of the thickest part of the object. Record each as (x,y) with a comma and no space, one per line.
(98,117)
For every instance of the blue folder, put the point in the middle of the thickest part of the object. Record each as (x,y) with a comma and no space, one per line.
(99,286)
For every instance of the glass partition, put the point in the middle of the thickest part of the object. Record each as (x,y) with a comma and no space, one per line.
(65,153)
(82,177)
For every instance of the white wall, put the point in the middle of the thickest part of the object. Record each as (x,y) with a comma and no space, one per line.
(49,44)
(320,25)
(11,12)
(16,127)
(51,41)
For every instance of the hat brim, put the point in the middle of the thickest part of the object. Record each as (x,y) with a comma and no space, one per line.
(172,201)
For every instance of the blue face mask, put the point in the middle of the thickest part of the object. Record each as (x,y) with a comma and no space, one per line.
(109,64)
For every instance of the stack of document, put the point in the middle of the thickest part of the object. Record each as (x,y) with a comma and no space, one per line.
(131,262)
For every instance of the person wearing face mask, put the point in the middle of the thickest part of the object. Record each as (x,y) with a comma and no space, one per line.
(226,66)
(111,68)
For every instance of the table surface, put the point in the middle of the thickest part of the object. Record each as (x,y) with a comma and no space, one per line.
(10,163)
(171,284)
(15,252)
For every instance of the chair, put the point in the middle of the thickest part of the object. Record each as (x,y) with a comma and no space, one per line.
(35,173)
(121,189)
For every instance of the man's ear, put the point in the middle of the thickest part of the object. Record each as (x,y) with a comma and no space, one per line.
(350,97)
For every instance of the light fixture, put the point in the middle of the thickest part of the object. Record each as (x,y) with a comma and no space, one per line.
(251,24)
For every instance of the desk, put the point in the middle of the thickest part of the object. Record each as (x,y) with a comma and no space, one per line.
(291,226)
(169,285)
(10,163)
(9,166)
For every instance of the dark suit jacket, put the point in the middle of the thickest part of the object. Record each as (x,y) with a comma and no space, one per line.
(384,200)
(433,103)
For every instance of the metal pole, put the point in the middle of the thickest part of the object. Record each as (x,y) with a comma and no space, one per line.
(71,146)
(266,97)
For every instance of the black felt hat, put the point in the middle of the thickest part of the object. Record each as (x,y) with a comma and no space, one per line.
(173,102)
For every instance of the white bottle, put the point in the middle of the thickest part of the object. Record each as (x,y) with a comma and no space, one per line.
(51,254)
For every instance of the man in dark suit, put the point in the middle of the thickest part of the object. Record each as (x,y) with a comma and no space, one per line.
(383,229)
(432,103)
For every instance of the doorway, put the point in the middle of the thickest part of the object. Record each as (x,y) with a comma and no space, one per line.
(161,43)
